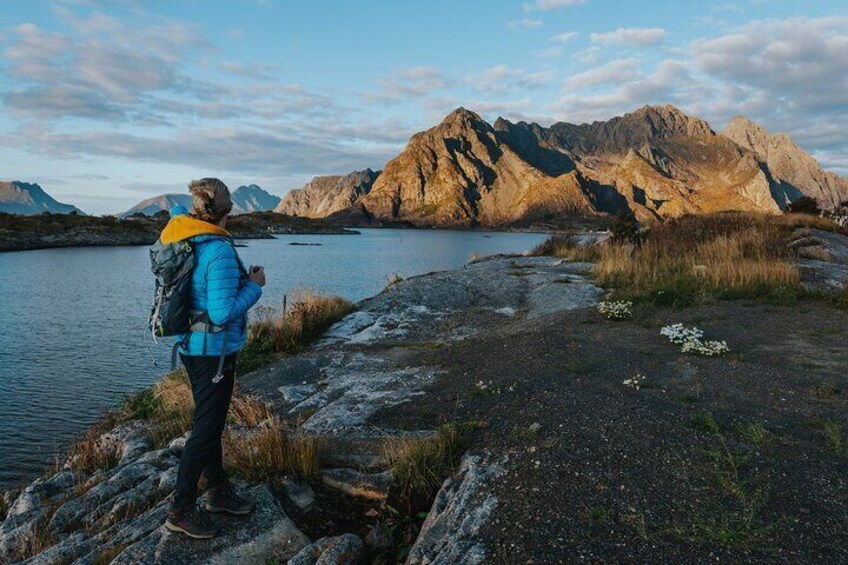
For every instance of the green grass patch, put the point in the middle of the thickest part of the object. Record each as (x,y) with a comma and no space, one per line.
(756,434)
(735,521)
(832,432)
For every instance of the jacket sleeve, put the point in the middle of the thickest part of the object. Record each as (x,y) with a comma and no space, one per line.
(226,300)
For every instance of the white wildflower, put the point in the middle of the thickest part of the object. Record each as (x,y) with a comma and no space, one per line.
(635,382)
(691,340)
(616,310)
(680,334)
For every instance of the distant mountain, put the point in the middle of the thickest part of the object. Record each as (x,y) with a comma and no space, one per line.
(151,206)
(323,196)
(252,198)
(24,198)
(246,199)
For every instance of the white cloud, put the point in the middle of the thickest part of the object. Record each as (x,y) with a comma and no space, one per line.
(615,72)
(565,37)
(248,151)
(501,78)
(527,23)
(550,52)
(629,36)
(545,5)
(801,60)
(102,70)
(414,82)
(669,82)
(789,75)
(726,8)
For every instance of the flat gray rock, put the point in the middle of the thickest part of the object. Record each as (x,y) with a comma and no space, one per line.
(449,534)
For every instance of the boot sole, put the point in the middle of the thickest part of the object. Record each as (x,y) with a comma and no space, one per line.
(222,510)
(179,530)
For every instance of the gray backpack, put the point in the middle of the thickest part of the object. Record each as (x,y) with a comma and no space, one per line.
(172,265)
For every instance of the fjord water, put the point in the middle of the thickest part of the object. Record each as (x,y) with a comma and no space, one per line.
(72,337)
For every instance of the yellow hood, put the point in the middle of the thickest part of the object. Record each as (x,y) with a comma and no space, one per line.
(184,227)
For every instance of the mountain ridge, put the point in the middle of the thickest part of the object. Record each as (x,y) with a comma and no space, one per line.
(656,161)
(326,195)
(17,197)
(246,199)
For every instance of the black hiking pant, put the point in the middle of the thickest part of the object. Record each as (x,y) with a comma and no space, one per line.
(203,453)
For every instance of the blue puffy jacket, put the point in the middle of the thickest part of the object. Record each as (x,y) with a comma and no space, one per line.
(220,285)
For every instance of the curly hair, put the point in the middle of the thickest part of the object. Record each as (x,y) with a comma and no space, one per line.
(210,199)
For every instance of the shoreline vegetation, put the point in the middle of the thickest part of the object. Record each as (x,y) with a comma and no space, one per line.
(692,264)
(44,231)
(693,259)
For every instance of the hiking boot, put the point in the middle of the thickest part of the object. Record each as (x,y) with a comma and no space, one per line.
(190,522)
(223,498)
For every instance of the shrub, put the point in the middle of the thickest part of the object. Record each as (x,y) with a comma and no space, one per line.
(625,229)
(805,205)
(568,248)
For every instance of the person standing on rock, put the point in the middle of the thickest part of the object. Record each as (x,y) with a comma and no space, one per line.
(222,291)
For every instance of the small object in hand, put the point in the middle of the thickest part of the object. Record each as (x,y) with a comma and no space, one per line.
(257,275)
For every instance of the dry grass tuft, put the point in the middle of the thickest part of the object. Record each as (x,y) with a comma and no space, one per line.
(172,415)
(569,248)
(419,466)
(90,453)
(274,334)
(694,258)
(268,452)
(249,411)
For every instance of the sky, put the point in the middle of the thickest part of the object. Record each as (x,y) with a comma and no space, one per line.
(105,103)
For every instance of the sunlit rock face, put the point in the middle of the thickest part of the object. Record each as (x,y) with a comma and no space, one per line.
(657,162)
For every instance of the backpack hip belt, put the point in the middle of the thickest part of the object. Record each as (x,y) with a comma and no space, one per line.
(199,321)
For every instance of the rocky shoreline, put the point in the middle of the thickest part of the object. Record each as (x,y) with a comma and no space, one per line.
(362,366)
(45,231)
(566,463)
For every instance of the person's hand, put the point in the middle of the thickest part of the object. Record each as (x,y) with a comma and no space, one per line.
(257,275)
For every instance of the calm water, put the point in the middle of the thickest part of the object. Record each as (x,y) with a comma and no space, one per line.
(72,337)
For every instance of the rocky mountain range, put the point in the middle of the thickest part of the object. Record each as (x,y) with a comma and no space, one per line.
(18,197)
(657,162)
(246,199)
(151,206)
(324,196)
(252,198)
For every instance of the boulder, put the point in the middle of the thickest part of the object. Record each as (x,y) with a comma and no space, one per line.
(346,549)
(449,534)
(372,486)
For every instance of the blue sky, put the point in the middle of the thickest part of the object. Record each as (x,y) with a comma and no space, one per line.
(105,103)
